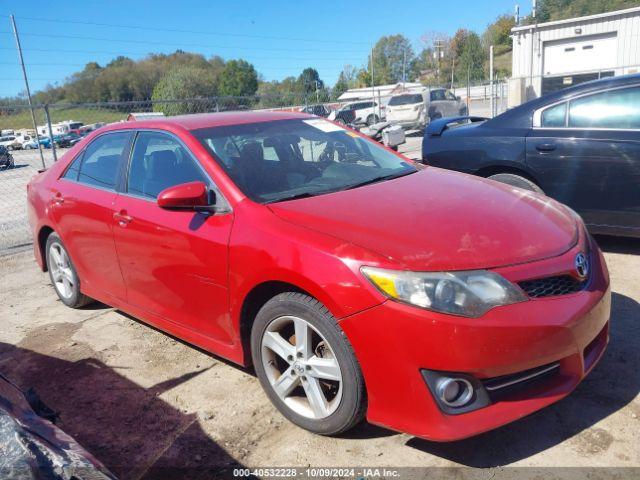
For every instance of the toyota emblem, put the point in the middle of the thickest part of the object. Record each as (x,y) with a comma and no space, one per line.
(582,265)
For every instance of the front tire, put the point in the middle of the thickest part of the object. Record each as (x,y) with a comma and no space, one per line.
(63,275)
(516,181)
(306,365)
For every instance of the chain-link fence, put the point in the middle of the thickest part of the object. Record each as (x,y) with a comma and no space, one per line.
(58,126)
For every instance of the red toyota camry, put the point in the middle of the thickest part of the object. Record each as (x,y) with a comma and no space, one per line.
(355,282)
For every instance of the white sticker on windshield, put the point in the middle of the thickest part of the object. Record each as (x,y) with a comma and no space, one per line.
(323,125)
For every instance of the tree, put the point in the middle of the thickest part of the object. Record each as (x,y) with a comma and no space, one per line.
(341,86)
(392,55)
(309,81)
(471,60)
(238,78)
(184,83)
(498,33)
(549,10)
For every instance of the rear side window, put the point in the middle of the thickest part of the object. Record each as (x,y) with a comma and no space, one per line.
(159,161)
(101,158)
(408,99)
(619,109)
(554,117)
(74,169)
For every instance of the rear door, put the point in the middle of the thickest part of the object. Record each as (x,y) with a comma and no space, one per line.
(82,203)
(587,152)
(175,263)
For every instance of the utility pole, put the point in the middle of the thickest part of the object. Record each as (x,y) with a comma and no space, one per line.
(492,96)
(373,90)
(453,69)
(404,62)
(533,32)
(317,95)
(26,84)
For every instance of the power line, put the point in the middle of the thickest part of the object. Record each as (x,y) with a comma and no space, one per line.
(196,32)
(120,52)
(199,45)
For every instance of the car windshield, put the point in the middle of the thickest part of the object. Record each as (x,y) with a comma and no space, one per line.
(287,159)
(407,99)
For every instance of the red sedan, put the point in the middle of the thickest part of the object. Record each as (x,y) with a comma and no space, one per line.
(355,282)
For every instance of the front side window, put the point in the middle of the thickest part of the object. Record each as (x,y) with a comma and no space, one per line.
(449,95)
(99,166)
(437,95)
(285,159)
(554,117)
(159,161)
(618,109)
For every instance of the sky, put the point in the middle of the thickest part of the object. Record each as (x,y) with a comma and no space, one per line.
(280,38)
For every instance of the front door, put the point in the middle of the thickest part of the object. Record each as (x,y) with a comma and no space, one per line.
(175,263)
(82,206)
(587,152)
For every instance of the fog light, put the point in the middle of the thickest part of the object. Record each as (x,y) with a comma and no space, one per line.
(454,392)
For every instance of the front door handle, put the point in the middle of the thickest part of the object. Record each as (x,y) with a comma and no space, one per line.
(545,147)
(122,218)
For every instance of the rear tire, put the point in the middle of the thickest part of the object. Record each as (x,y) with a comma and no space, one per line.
(63,275)
(291,335)
(516,181)
(372,119)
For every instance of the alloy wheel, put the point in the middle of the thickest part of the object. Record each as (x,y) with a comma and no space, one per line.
(301,367)
(61,272)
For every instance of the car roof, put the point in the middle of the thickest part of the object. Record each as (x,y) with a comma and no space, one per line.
(209,120)
(521,115)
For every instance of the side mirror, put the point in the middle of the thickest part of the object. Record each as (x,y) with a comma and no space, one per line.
(194,196)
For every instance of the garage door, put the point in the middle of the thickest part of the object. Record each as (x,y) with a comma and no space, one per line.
(584,54)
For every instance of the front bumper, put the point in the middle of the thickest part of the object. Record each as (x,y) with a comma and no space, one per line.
(395,343)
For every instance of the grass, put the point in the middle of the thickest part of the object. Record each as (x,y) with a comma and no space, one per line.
(85,115)
(502,62)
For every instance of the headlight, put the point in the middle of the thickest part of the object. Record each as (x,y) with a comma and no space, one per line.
(465,293)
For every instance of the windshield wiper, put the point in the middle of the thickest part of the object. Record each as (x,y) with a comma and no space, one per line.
(293,197)
(380,179)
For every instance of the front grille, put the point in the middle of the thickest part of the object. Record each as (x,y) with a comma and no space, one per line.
(552,286)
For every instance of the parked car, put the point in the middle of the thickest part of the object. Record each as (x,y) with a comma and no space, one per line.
(33,447)
(317,110)
(443,103)
(24,139)
(353,280)
(10,142)
(579,145)
(68,140)
(409,110)
(359,113)
(30,144)
(6,159)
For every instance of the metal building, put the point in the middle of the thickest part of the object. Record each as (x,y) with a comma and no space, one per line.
(550,56)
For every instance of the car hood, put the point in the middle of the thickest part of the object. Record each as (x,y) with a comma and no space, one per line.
(440,220)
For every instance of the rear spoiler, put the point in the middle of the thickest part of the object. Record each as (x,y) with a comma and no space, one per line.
(436,127)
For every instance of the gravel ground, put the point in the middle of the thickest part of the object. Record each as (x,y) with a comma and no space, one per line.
(145,403)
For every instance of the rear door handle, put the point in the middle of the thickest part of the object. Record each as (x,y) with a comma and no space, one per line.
(545,147)
(122,218)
